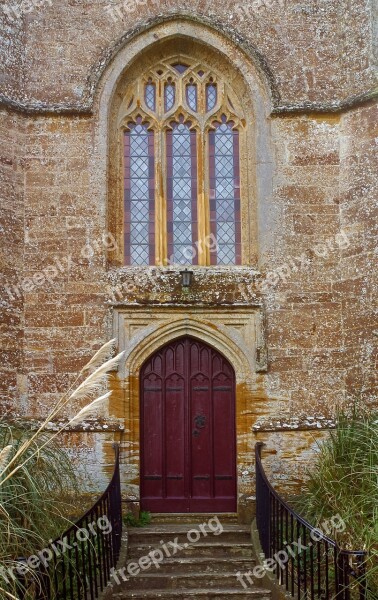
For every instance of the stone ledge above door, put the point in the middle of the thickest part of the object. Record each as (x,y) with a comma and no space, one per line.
(211,286)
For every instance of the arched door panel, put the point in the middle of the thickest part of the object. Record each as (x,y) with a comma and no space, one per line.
(188,439)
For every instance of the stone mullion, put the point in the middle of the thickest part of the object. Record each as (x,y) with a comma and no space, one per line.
(247,237)
(203,186)
(161,199)
(117,218)
(203,201)
(161,204)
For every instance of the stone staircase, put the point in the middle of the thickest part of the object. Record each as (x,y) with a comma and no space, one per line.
(194,558)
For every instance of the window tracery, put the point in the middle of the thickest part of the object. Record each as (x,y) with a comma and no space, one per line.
(181,137)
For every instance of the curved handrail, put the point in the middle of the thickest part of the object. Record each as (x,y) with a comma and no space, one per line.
(78,567)
(316,567)
(259,447)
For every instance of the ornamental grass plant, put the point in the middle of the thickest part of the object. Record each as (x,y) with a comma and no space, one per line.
(38,484)
(344,481)
(37,501)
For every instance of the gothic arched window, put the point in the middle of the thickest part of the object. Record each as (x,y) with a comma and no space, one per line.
(181,135)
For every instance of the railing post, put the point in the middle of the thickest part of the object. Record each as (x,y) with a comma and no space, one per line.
(263,508)
(341,591)
(347,570)
(116,506)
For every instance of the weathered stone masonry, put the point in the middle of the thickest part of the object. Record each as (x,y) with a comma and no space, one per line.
(310,71)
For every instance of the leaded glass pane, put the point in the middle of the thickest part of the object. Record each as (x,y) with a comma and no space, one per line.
(140,255)
(191,96)
(182,195)
(225,210)
(211,96)
(224,187)
(140,210)
(180,68)
(169,96)
(150,96)
(140,187)
(225,194)
(182,210)
(139,196)
(139,168)
(182,166)
(226,255)
(185,255)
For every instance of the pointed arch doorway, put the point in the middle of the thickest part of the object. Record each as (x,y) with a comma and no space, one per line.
(188,432)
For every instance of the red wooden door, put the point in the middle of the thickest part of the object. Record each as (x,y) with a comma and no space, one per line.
(188,439)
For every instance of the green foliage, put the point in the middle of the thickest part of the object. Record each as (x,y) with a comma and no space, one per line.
(344,481)
(143,520)
(35,473)
(34,501)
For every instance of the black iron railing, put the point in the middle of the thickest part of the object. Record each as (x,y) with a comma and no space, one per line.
(77,565)
(308,563)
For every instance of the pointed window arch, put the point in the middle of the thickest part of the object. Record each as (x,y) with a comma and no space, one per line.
(182,133)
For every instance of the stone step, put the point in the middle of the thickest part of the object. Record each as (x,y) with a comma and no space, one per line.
(201,549)
(186,568)
(190,532)
(179,581)
(204,565)
(214,594)
(177,518)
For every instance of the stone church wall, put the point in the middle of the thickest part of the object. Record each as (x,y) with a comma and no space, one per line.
(316,218)
(11,261)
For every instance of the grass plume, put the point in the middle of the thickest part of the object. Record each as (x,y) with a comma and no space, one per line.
(344,481)
(37,479)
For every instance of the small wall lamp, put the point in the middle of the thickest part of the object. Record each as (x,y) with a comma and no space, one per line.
(186,278)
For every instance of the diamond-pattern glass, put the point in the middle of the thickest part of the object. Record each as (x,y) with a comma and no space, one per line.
(191,96)
(140,210)
(211,96)
(139,141)
(225,210)
(139,185)
(224,188)
(183,180)
(139,255)
(224,144)
(181,142)
(182,165)
(224,166)
(139,188)
(139,167)
(226,255)
(150,96)
(224,217)
(169,96)
(182,188)
(184,254)
(182,210)
(180,68)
